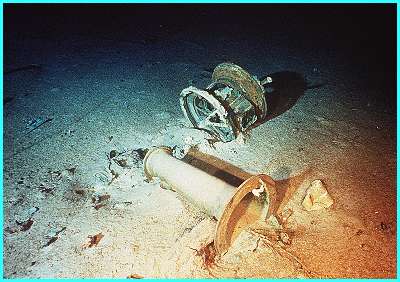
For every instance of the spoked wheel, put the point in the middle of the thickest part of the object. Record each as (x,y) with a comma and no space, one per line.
(205,112)
(231,104)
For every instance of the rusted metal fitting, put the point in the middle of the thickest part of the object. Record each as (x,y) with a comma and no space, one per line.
(233,102)
(235,208)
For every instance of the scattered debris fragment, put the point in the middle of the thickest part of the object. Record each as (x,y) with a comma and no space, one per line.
(53,236)
(100,201)
(119,162)
(135,276)
(127,158)
(135,247)
(24,221)
(45,188)
(113,154)
(11,230)
(35,123)
(114,175)
(268,233)
(79,189)
(317,197)
(141,152)
(26,225)
(79,192)
(207,254)
(273,240)
(94,240)
(180,152)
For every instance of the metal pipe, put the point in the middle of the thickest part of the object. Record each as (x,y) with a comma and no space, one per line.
(234,208)
(201,189)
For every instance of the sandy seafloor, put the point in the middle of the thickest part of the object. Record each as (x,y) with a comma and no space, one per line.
(117,88)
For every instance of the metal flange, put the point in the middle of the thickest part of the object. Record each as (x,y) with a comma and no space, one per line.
(236,77)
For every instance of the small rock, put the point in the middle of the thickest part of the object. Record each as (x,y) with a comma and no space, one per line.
(317,197)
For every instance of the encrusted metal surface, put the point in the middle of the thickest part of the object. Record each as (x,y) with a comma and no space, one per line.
(254,200)
(237,78)
(206,112)
(234,208)
(230,104)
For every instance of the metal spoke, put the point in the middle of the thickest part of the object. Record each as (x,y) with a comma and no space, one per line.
(222,125)
(207,121)
(206,112)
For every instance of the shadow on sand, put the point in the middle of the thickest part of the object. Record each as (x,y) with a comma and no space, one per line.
(284,91)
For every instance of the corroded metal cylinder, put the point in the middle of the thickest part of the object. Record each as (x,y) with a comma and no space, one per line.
(201,189)
(235,208)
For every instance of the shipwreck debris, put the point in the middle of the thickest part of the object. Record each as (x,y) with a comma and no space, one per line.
(119,163)
(231,104)
(135,276)
(26,225)
(34,123)
(100,201)
(207,254)
(53,236)
(46,188)
(94,240)
(317,197)
(234,208)
(24,221)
